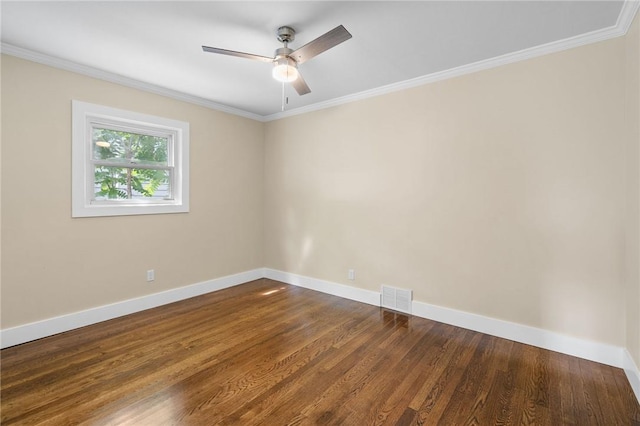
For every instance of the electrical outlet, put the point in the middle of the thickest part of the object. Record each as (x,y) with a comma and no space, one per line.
(352,274)
(151,275)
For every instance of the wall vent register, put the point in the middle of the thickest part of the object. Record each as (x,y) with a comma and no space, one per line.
(397,299)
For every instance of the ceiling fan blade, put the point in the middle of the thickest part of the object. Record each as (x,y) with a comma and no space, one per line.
(322,43)
(300,85)
(238,54)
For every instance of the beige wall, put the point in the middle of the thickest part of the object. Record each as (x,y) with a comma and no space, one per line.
(53,264)
(500,193)
(632,269)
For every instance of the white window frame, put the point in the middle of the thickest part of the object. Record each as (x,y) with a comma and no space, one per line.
(86,116)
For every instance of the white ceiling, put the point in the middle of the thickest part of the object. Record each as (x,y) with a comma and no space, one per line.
(159,43)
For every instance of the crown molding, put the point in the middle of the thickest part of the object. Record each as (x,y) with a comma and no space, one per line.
(86,70)
(625,19)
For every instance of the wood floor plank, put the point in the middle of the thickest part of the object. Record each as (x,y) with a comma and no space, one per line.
(538,389)
(561,400)
(269,353)
(487,408)
(443,386)
(466,398)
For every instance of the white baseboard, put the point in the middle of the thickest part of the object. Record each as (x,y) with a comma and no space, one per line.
(581,348)
(37,330)
(335,289)
(633,373)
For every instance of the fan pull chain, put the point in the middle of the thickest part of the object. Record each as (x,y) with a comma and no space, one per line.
(285,99)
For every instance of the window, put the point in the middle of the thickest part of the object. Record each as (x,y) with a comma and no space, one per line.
(126,163)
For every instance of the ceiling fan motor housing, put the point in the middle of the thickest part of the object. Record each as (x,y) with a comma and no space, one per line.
(286,34)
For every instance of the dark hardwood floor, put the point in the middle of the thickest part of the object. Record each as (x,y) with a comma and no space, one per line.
(266,353)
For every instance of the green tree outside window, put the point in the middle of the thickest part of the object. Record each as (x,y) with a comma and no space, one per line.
(130,165)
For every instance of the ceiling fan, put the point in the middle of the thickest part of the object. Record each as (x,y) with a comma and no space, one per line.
(286,61)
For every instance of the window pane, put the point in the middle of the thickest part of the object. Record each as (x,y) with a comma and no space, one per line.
(112,183)
(126,147)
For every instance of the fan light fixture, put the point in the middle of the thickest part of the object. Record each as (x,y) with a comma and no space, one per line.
(103,144)
(285,70)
